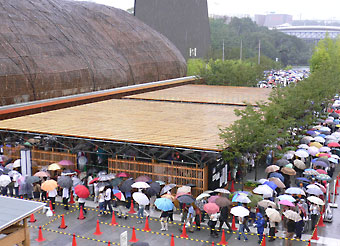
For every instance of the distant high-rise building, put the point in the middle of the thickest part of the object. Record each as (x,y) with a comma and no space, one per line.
(184,22)
(273,20)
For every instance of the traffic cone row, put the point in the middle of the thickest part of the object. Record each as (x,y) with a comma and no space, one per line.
(133,239)
(32,219)
(233,226)
(223,241)
(147,228)
(74,241)
(62,225)
(40,236)
(97,232)
(172,242)
(184,232)
(51,207)
(321,224)
(113,221)
(81,214)
(71,199)
(315,234)
(132,211)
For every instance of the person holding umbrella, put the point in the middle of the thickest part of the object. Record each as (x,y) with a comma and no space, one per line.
(212,223)
(165,205)
(66,195)
(224,214)
(315,212)
(107,198)
(51,196)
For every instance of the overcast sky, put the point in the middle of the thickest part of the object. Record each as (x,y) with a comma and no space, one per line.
(304,9)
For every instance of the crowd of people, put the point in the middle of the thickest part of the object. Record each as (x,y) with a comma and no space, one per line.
(282,78)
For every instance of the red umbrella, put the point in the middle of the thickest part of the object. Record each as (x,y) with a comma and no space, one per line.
(94,180)
(321,171)
(42,174)
(211,208)
(181,194)
(81,191)
(122,175)
(65,163)
(212,199)
(323,154)
(333,145)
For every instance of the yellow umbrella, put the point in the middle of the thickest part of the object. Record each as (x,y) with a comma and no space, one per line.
(316,144)
(53,167)
(49,185)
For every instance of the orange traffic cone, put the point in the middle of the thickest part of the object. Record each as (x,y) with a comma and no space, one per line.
(233,226)
(62,225)
(132,211)
(337,182)
(213,243)
(97,232)
(172,242)
(51,207)
(184,232)
(133,239)
(315,234)
(81,214)
(263,243)
(40,236)
(109,243)
(223,241)
(147,228)
(309,244)
(74,242)
(232,189)
(321,224)
(71,199)
(113,221)
(32,219)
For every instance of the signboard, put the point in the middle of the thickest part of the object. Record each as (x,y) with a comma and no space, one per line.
(124,239)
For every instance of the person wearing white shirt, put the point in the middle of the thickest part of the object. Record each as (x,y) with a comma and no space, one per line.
(66,195)
(90,186)
(81,202)
(107,198)
(101,201)
(51,196)
(96,192)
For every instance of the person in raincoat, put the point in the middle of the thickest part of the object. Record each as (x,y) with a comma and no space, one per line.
(260,223)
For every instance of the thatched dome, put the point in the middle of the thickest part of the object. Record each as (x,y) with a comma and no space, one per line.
(51,48)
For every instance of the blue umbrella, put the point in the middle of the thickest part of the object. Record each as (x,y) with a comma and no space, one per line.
(320,164)
(312,133)
(303,179)
(322,135)
(277,175)
(164,204)
(271,184)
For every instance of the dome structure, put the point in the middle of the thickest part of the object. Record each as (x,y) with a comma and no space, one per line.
(52,48)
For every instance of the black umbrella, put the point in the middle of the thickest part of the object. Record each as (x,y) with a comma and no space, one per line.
(154,189)
(126,185)
(67,172)
(32,179)
(65,182)
(116,181)
(191,185)
(324,160)
(282,162)
(186,199)
(104,177)
(101,184)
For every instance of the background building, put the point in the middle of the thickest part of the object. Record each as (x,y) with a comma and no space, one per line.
(272,20)
(185,23)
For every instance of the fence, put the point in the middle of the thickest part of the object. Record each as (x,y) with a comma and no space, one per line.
(41,158)
(169,173)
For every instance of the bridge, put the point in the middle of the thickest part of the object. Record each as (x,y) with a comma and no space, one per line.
(310,33)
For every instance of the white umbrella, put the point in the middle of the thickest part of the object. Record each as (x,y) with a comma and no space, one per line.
(273,215)
(296,191)
(140,185)
(266,203)
(262,181)
(4,180)
(300,164)
(302,153)
(316,200)
(314,191)
(319,139)
(303,146)
(201,196)
(208,191)
(140,198)
(278,182)
(313,186)
(184,189)
(239,211)
(221,190)
(290,214)
(17,163)
(264,190)
(287,197)
(242,198)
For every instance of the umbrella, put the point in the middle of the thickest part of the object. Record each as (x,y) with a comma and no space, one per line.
(81,191)
(32,179)
(325,160)
(242,198)
(320,164)
(262,181)
(168,196)
(122,175)
(264,190)
(145,179)
(286,197)
(300,164)
(301,179)
(208,191)
(200,203)
(282,162)
(17,163)
(288,171)
(53,167)
(312,133)
(239,211)
(325,129)
(211,208)
(278,182)
(326,155)
(254,199)
(49,185)
(333,145)
(65,182)
(290,214)
(323,189)
(116,181)
(102,173)
(333,160)
(213,198)
(141,198)
(266,203)
(323,177)
(167,188)
(310,172)
(324,149)
(295,191)
(272,168)
(104,177)
(140,185)
(191,185)
(316,200)
(290,165)
(201,196)
(4,170)
(103,184)
(164,204)
(65,163)
(155,186)
(289,155)
(315,191)
(221,190)
(223,202)
(277,175)
(94,180)
(126,185)
(4,180)
(316,144)
(273,215)
(9,166)
(271,184)
(184,189)
(76,181)
(321,171)
(302,153)
(186,199)
(319,139)
(312,150)
(160,182)
(118,194)
(303,146)
(306,140)
(42,174)
(286,203)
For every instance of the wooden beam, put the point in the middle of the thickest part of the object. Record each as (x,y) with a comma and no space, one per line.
(15,237)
